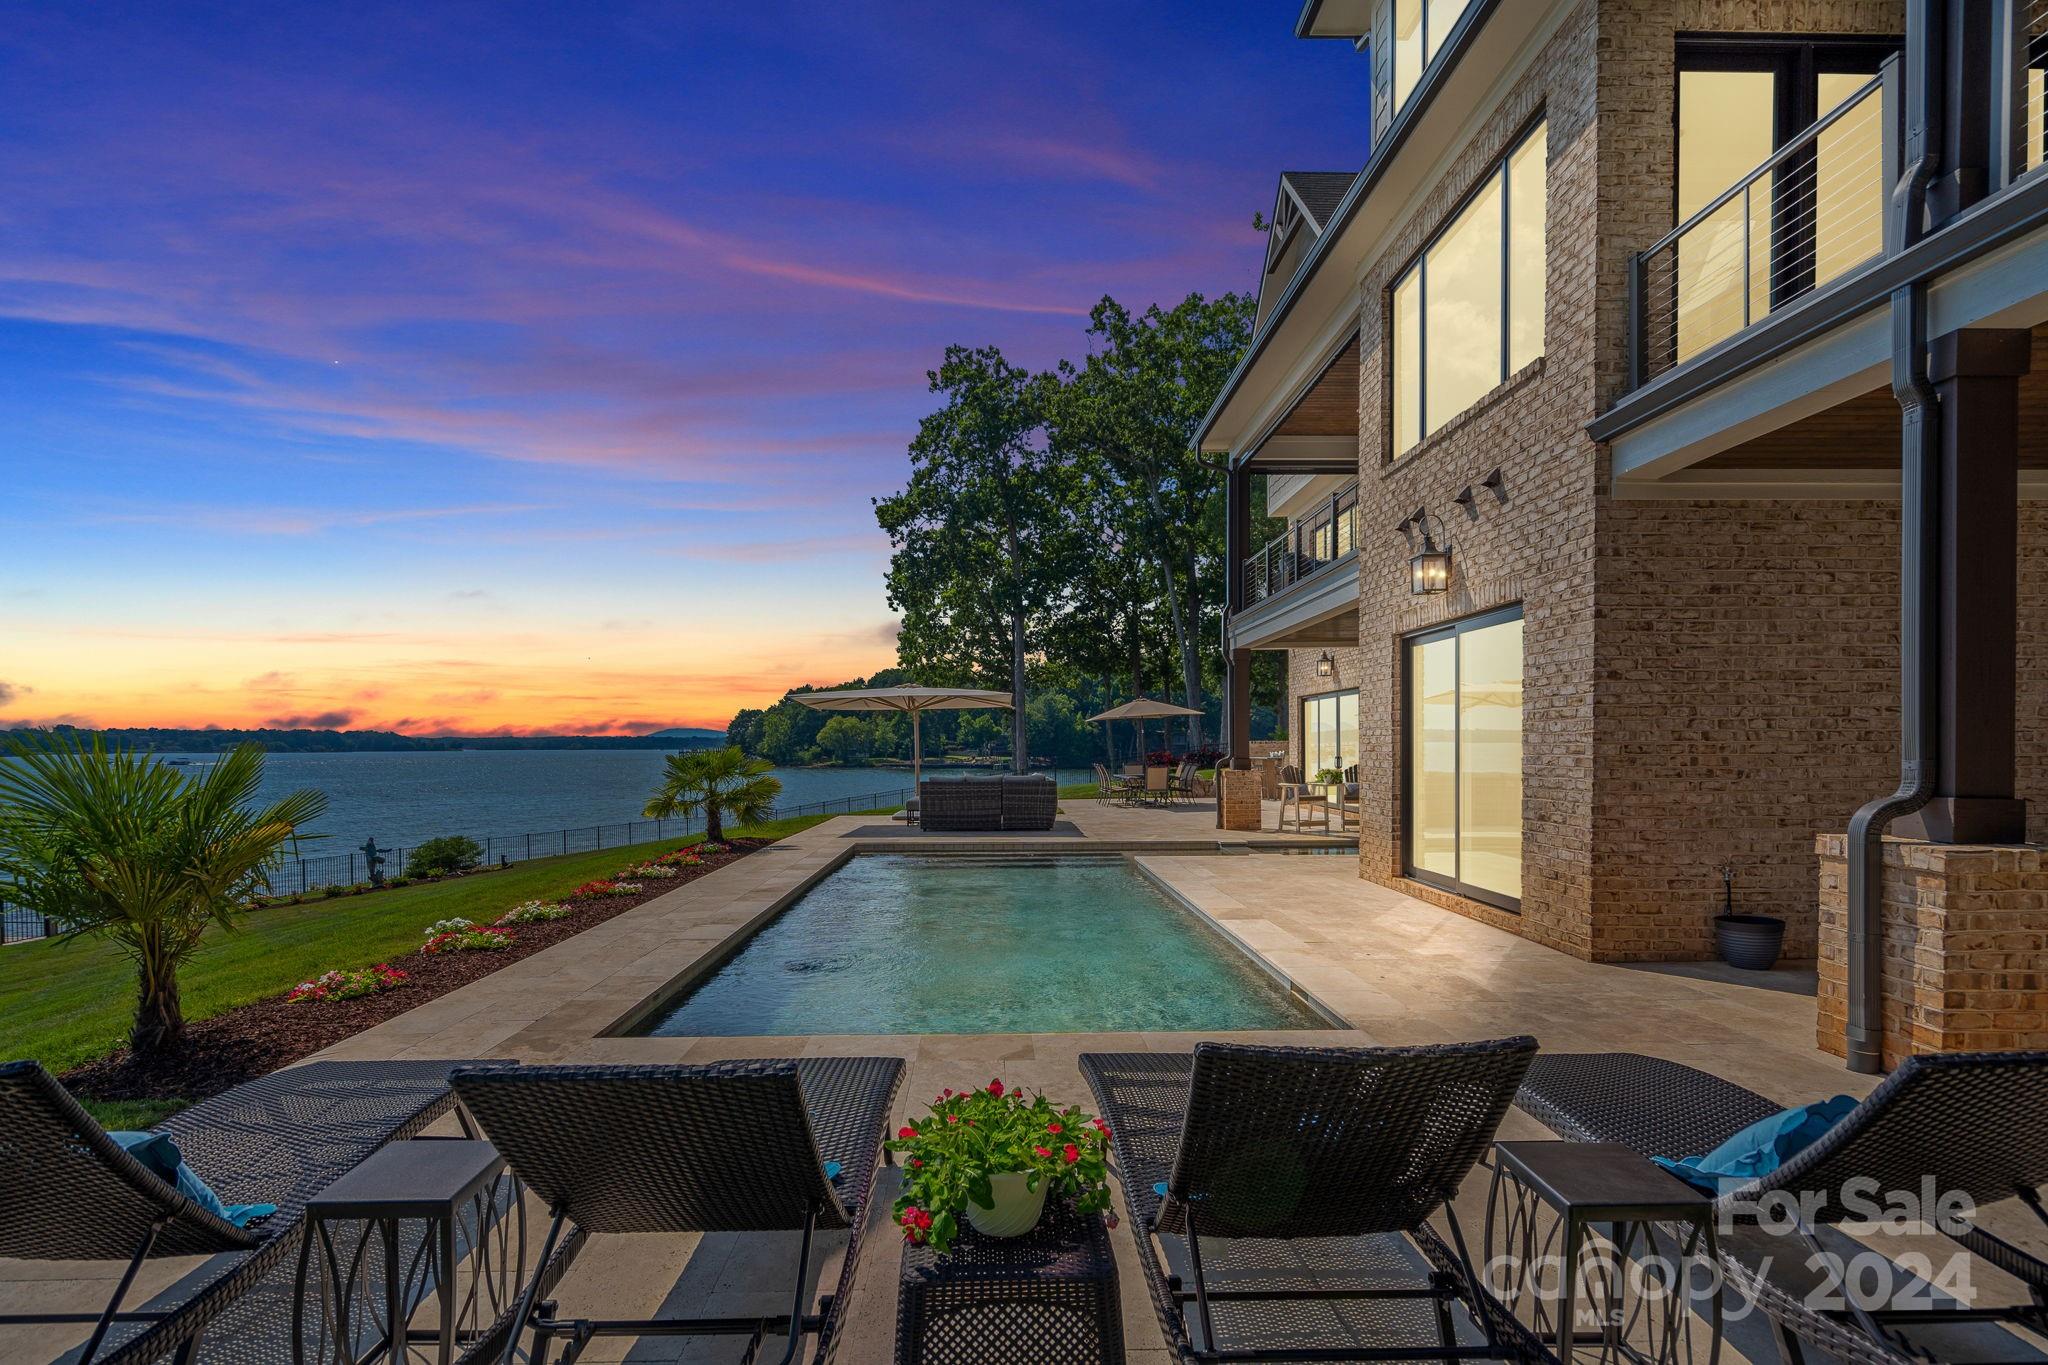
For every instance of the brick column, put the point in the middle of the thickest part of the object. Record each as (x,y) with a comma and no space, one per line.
(1965,947)
(1237,799)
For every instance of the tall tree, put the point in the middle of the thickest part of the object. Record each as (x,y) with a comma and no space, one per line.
(1127,417)
(983,535)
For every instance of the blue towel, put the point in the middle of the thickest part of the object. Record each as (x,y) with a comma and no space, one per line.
(1761,1148)
(160,1156)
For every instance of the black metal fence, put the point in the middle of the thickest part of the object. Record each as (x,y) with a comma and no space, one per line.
(294,876)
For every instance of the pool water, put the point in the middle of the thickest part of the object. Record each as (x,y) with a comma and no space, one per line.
(897,943)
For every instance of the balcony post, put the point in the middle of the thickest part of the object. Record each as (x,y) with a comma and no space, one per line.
(1977,373)
(1970,121)
(1237,519)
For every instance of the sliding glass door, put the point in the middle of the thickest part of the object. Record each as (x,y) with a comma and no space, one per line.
(1329,732)
(1464,790)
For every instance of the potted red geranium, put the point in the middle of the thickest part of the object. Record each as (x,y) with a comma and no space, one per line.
(992,1156)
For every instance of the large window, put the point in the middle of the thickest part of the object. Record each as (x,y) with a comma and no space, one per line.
(1469,312)
(1814,216)
(1421,28)
(1329,732)
(1464,800)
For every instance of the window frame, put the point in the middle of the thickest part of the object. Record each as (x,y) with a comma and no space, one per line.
(1417,269)
(1337,695)
(1456,885)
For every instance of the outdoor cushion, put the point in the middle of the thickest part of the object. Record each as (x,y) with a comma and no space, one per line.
(160,1155)
(1761,1148)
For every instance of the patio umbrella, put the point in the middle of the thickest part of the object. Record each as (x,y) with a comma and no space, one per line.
(1142,710)
(912,701)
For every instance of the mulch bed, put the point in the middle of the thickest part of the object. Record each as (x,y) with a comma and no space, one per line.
(254,1040)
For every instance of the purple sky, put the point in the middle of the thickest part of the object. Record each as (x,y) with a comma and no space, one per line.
(532,366)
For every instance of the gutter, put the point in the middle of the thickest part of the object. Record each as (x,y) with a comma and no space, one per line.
(1433,81)
(1920,475)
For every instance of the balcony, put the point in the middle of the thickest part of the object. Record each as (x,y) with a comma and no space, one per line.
(1811,214)
(1311,544)
(1295,593)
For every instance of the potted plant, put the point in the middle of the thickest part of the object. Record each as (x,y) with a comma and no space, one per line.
(992,1156)
(1750,942)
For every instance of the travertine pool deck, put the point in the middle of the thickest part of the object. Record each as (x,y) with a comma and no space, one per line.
(1394,969)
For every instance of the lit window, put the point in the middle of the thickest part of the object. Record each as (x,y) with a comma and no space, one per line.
(1464,795)
(1469,313)
(1421,28)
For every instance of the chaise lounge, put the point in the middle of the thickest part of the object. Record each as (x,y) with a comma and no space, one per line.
(75,1194)
(1971,1123)
(1298,1184)
(988,803)
(742,1146)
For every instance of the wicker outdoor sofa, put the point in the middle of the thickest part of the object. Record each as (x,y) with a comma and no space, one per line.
(1293,1188)
(737,1146)
(74,1194)
(988,803)
(1974,1123)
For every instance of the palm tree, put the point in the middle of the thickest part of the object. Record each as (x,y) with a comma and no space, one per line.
(118,845)
(718,782)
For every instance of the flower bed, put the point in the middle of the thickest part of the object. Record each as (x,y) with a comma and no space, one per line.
(255,1039)
(349,985)
(462,936)
(534,912)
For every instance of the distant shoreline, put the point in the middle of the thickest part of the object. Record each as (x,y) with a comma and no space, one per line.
(164,740)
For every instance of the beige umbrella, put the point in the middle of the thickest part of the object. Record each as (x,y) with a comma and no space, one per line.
(1142,710)
(913,701)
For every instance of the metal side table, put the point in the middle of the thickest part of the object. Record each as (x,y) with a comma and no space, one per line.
(1047,1296)
(1595,1216)
(435,1216)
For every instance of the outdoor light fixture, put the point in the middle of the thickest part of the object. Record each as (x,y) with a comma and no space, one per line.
(1430,569)
(1326,667)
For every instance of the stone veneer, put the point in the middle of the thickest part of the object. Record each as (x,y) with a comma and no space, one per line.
(1965,947)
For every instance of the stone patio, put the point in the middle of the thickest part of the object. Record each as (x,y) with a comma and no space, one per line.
(1397,970)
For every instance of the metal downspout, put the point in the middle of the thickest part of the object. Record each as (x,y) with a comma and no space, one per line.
(1919,551)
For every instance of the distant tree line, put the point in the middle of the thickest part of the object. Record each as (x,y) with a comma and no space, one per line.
(1061,533)
(210,740)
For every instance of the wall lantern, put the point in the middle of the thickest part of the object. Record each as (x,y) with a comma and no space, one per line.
(1326,667)
(1430,569)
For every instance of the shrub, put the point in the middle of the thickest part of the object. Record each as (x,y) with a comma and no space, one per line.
(351,985)
(534,912)
(439,857)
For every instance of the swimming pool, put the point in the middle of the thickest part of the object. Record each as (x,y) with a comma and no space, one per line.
(902,943)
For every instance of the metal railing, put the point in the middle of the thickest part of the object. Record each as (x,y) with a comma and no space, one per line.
(294,876)
(2026,101)
(1311,542)
(1814,211)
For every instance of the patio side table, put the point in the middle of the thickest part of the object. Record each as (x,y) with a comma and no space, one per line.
(1634,1237)
(438,1216)
(1049,1297)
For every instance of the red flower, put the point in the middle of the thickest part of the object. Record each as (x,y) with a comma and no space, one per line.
(995,1088)
(906,1132)
(1102,1127)
(1042,1151)
(917,1161)
(948,1093)
(952,1118)
(908,1217)
(1072,1153)
(1054,1127)
(924,1218)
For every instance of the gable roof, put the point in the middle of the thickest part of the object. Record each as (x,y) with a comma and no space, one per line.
(1318,192)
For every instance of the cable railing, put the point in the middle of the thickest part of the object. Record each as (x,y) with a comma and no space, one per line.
(2029,93)
(1814,211)
(298,876)
(1319,538)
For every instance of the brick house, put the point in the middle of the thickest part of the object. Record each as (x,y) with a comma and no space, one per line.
(1579,399)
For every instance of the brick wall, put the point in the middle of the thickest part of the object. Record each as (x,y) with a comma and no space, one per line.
(1965,947)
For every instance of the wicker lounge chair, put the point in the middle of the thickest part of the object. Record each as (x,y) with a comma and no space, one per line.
(1345,1153)
(726,1147)
(962,803)
(1975,1123)
(73,1194)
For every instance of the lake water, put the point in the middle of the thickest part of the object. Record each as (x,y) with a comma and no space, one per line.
(400,799)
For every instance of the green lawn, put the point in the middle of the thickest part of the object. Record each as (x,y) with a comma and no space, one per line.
(66,1003)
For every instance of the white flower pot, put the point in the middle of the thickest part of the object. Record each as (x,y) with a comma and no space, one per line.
(1017,1206)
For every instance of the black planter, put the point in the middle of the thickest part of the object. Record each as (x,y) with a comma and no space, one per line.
(1750,942)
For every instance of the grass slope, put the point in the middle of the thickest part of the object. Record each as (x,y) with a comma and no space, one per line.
(66,1003)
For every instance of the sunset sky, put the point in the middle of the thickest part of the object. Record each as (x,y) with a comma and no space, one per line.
(473,367)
